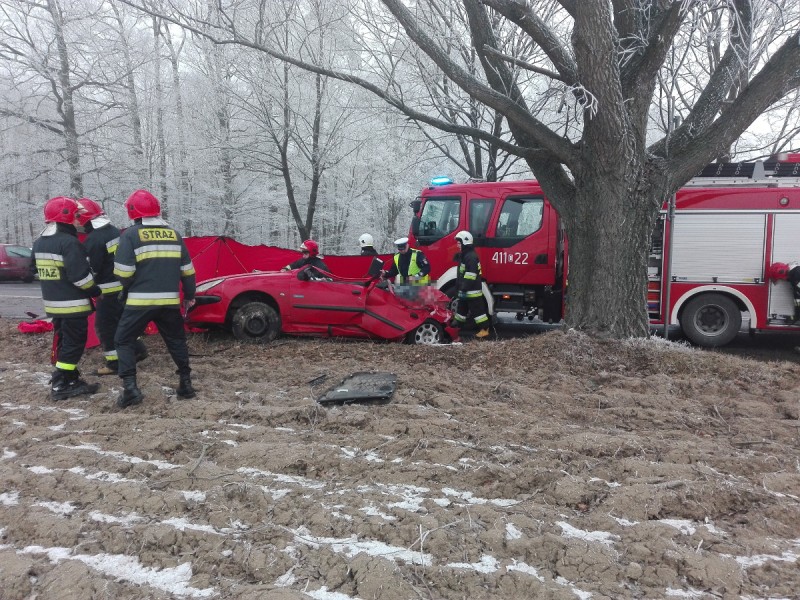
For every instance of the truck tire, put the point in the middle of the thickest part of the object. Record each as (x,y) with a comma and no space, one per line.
(429,332)
(711,320)
(256,322)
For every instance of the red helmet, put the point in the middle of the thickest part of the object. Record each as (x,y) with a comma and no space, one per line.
(142,203)
(778,271)
(60,210)
(311,246)
(89,210)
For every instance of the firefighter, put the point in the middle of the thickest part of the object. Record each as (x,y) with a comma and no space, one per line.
(310,251)
(791,273)
(152,263)
(470,292)
(101,244)
(67,287)
(409,266)
(367,244)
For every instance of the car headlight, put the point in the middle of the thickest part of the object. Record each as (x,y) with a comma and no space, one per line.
(207,285)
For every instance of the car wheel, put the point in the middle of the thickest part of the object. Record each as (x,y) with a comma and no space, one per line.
(711,320)
(27,279)
(256,322)
(429,332)
(451,291)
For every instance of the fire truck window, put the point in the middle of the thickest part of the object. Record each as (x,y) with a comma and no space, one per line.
(520,217)
(440,216)
(479,213)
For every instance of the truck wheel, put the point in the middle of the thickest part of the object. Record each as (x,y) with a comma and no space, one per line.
(711,320)
(256,322)
(430,332)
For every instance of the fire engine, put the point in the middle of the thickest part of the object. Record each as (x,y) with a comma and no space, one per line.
(709,262)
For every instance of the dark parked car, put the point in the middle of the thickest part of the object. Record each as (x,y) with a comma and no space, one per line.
(16,262)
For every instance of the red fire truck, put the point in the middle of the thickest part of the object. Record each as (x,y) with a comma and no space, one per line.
(709,262)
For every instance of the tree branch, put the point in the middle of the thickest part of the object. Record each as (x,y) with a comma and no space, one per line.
(521,63)
(714,95)
(392,100)
(527,20)
(44,124)
(696,146)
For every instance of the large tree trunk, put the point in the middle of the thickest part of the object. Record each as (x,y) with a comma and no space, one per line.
(609,229)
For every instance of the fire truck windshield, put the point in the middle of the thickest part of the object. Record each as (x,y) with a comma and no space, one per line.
(440,216)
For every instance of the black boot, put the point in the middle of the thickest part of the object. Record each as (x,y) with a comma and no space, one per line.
(130,394)
(66,384)
(141,350)
(185,389)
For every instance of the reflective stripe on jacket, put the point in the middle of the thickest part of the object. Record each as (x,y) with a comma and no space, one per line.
(101,245)
(152,263)
(64,274)
(470,273)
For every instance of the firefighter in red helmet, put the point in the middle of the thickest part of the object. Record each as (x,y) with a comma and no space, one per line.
(791,273)
(67,288)
(152,263)
(101,242)
(310,251)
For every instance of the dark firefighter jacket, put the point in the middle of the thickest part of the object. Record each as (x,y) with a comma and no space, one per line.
(470,274)
(101,245)
(67,283)
(314,261)
(151,263)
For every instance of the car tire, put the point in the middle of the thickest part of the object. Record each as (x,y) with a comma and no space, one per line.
(451,291)
(256,322)
(711,320)
(429,332)
(27,279)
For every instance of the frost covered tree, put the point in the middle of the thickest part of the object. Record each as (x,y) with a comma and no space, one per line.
(582,94)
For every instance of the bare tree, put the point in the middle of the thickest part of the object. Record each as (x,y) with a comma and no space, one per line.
(600,170)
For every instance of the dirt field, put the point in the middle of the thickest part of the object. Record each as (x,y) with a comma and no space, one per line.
(549,467)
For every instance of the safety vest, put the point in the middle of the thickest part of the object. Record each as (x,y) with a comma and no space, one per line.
(413,269)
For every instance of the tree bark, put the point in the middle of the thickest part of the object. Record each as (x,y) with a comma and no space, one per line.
(65,104)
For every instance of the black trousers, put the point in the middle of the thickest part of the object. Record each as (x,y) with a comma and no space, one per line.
(475,308)
(107,316)
(132,324)
(71,333)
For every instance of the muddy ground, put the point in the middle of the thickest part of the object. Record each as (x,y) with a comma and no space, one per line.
(549,467)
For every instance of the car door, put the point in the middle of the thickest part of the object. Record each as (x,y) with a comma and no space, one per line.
(329,306)
(19,259)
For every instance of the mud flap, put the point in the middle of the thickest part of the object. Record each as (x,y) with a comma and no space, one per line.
(364,387)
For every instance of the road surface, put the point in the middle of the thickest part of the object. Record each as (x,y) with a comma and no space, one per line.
(18,300)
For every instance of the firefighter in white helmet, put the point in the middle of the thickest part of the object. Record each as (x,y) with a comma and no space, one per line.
(470,292)
(367,244)
(791,273)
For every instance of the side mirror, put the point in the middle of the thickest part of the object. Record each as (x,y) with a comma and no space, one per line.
(415,221)
(416,205)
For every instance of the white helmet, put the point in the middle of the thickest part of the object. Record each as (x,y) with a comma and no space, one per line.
(366,240)
(465,237)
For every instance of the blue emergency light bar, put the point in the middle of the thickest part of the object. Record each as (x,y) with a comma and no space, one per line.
(440,181)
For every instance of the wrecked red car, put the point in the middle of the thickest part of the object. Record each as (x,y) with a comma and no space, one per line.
(257,307)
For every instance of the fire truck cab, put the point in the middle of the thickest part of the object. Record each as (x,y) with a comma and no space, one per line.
(708,268)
